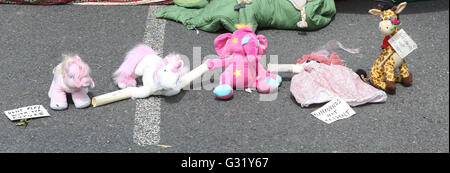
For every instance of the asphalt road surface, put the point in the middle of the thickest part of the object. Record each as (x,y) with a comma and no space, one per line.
(32,39)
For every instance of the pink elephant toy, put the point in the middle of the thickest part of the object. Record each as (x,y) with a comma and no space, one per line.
(242,69)
(70,76)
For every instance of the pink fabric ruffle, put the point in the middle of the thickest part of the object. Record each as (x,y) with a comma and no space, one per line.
(320,83)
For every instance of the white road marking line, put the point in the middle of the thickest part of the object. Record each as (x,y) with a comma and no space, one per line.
(148,111)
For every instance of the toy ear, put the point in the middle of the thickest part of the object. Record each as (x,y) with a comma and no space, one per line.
(179,64)
(77,58)
(66,68)
(251,47)
(400,7)
(69,62)
(92,83)
(375,11)
(165,61)
(262,44)
(220,44)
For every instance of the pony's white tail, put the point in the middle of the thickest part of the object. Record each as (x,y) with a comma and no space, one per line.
(125,73)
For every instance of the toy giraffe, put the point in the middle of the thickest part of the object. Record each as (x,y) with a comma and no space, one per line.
(382,73)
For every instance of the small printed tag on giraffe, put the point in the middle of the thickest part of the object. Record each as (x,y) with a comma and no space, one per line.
(402,43)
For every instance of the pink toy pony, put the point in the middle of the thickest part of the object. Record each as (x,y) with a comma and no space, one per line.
(70,76)
(157,74)
(242,67)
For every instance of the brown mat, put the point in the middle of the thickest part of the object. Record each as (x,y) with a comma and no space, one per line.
(88,2)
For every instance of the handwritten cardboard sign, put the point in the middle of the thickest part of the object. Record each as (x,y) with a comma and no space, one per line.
(28,112)
(334,110)
(402,43)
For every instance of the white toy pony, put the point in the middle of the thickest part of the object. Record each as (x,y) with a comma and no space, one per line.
(157,74)
(70,76)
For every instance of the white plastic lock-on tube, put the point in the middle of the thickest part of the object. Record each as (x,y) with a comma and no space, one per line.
(292,68)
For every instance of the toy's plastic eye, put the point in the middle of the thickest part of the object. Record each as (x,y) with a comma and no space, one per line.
(317,61)
(165,70)
(307,61)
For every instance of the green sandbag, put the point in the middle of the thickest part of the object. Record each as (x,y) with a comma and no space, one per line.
(191,3)
(279,14)
(210,18)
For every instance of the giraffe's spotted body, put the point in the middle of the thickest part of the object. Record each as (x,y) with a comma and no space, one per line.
(382,75)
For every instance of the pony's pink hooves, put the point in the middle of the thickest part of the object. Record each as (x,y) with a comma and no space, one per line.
(223,92)
(128,82)
(225,97)
(269,84)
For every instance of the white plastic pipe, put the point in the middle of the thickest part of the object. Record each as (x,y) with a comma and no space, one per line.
(192,75)
(111,97)
(292,68)
(126,92)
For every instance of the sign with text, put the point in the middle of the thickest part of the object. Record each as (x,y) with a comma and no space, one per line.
(334,110)
(28,112)
(402,43)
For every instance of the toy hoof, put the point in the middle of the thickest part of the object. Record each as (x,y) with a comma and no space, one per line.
(279,79)
(269,84)
(362,74)
(408,80)
(82,104)
(272,82)
(58,106)
(390,87)
(122,85)
(223,91)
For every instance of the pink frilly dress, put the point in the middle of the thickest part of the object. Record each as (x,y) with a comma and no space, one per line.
(320,83)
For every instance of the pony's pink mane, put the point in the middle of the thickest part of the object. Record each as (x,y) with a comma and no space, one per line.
(81,69)
(125,73)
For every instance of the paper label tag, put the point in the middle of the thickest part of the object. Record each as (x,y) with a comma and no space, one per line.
(402,43)
(334,110)
(28,112)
